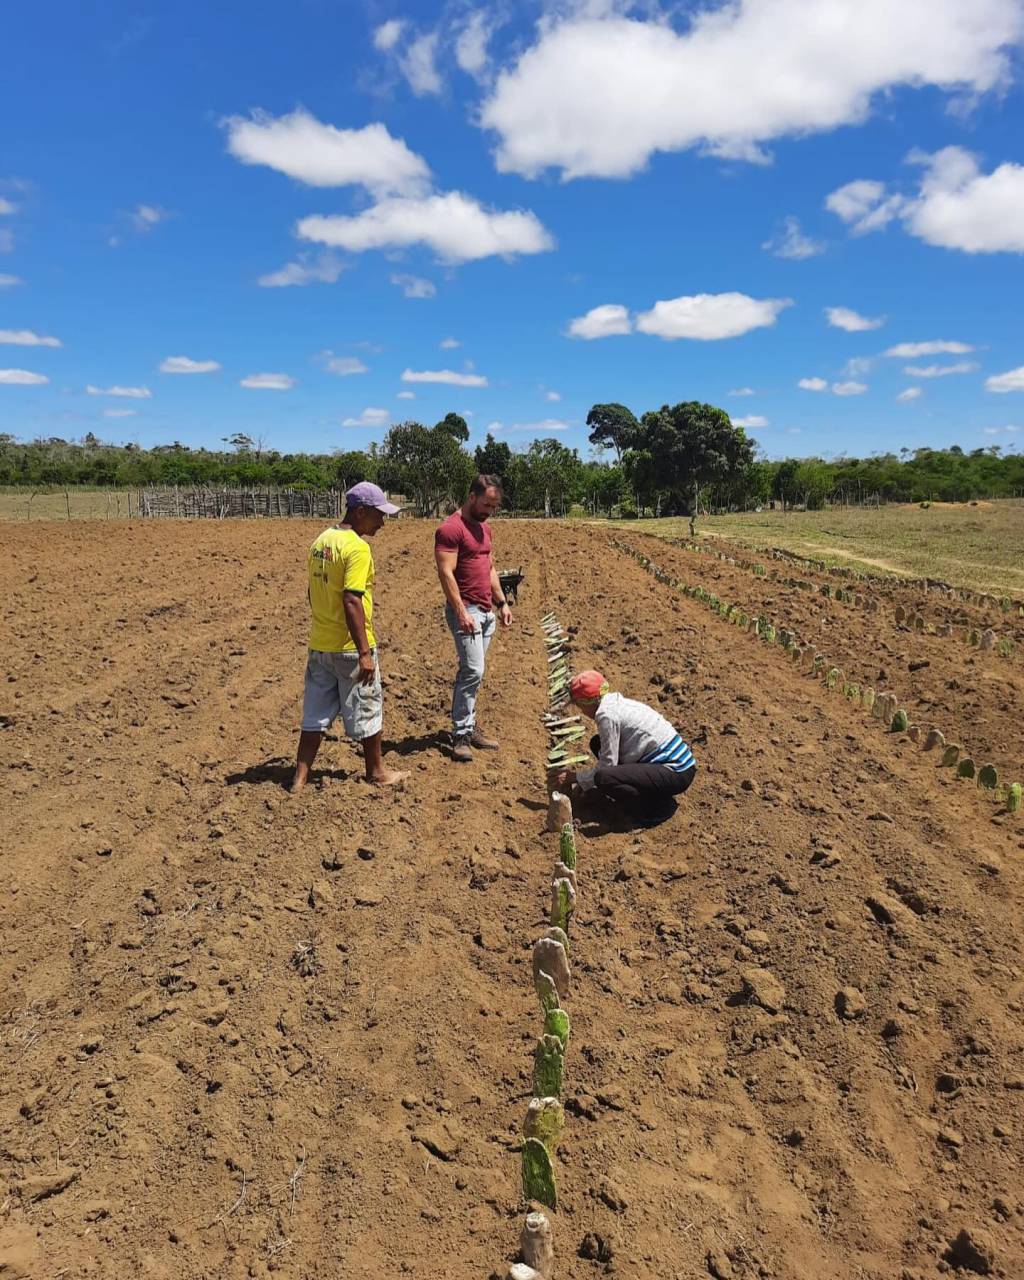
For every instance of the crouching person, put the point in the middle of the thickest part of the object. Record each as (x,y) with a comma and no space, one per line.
(342,675)
(643,763)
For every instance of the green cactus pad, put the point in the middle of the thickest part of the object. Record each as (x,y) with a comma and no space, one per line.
(562,904)
(545,1121)
(951,755)
(556,1023)
(965,769)
(867,699)
(567,846)
(538,1175)
(1013,797)
(987,777)
(547,992)
(548,1067)
(832,677)
(899,723)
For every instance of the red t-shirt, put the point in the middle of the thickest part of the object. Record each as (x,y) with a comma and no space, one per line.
(472,540)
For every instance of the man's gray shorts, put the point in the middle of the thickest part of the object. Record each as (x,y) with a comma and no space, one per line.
(333,688)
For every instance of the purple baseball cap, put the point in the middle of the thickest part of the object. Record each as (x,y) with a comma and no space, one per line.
(370,495)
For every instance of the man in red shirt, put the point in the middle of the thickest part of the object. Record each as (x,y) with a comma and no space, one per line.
(469,580)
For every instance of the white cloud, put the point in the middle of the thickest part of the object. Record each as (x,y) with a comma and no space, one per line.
(343,366)
(754,420)
(446,376)
(414,286)
(849,388)
(449,344)
(956,205)
(864,205)
(8,282)
(813,384)
(910,393)
(132,393)
(457,227)
(1013,380)
(370,417)
(182,364)
(792,243)
(961,208)
(7,206)
(601,322)
(320,155)
(708,317)
(406,395)
(324,269)
(852,321)
(268,382)
(553,396)
(388,34)
(940,347)
(26,338)
(6,240)
(742,391)
(857,365)
(939,370)
(21,378)
(419,66)
(119,413)
(471,45)
(598,95)
(144,217)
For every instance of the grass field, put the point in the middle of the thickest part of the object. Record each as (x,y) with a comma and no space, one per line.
(84,504)
(979,546)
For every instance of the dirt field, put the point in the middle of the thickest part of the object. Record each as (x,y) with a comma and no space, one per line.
(980,545)
(242,1034)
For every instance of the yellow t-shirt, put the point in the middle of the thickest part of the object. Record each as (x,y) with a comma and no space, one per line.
(339,561)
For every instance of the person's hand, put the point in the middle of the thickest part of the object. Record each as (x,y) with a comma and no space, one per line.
(505,613)
(466,623)
(367,668)
(565,778)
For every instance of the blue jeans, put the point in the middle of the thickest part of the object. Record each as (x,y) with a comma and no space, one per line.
(471,650)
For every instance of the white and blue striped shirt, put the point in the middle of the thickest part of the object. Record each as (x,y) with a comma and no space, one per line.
(634,733)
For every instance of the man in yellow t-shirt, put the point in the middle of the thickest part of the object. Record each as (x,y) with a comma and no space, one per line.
(342,675)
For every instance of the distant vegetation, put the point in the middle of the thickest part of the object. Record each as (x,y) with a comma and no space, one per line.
(669,461)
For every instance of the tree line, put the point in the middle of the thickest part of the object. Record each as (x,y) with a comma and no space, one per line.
(679,459)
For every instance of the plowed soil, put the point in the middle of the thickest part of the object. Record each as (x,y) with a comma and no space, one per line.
(244,1034)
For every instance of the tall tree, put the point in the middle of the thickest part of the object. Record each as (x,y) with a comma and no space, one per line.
(692,445)
(612,426)
(455,425)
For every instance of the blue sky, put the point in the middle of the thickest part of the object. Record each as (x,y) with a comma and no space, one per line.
(292,207)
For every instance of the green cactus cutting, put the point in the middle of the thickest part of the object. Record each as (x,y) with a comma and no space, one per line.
(538,1174)
(548,1067)
(556,1023)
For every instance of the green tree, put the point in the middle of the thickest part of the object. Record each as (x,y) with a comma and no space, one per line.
(455,425)
(688,446)
(612,426)
(426,463)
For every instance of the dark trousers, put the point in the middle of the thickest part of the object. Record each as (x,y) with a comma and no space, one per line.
(646,792)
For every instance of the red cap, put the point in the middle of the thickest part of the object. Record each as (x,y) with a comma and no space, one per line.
(588,686)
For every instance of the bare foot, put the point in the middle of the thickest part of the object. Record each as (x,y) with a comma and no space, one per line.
(296,784)
(389,777)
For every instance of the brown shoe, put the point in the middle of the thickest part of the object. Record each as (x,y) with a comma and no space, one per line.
(482,742)
(461,750)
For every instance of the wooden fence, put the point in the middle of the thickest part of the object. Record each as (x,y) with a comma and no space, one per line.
(219,504)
